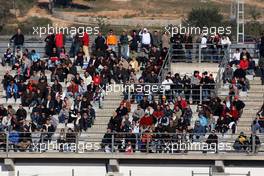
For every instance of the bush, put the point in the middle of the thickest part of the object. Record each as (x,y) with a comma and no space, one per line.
(27,25)
(24,5)
(205,17)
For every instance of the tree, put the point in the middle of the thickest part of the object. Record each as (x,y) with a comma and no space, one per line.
(4,12)
(254,13)
(205,17)
(254,27)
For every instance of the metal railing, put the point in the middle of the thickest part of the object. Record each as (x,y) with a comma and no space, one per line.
(166,66)
(146,142)
(195,93)
(222,66)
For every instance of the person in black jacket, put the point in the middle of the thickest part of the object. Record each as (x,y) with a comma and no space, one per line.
(18,40)
(212,141)
(100,42)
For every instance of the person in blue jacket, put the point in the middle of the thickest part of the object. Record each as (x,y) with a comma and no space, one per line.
(12,90)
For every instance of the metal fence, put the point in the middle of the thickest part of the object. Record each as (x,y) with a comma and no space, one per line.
(156,91)
(197,52)
(147,142)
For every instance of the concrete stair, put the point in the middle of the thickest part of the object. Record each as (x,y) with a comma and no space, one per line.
(253,102)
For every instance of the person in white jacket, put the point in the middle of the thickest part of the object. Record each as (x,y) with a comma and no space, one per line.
(145,38)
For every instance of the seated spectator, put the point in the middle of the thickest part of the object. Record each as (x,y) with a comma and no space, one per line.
(241,143)
(138,113)
(8,57)
(12,90)
(212,141)
(34,56)
(235,58)
(251,67)
(244,63)
(13,140)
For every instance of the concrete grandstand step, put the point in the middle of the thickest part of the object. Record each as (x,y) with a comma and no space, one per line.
(254,103)
(245,129)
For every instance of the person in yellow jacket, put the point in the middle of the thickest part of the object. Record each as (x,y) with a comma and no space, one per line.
(111,41)
(134,64)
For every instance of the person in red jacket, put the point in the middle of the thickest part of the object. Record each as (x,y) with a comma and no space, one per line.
(244,63)
(73,88)
(59,41)
(146,121)
(233,114)
(96,79)
(86,41)
(158,113)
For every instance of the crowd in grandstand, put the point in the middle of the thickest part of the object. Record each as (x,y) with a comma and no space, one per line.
(136,58)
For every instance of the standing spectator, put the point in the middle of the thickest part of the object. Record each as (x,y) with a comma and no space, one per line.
(134,41)
(85,41)
(187,40)
(204,47)
(59,41)
(18,41)
(111,40)
(50,43)
(76,45)
(156,39)
(100,42)
(145,39)
(165,40)
(124,45)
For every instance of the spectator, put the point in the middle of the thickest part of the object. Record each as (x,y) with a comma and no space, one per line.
(241,143)
(145,38)
(12,91)
(8,57)
(18,41)
(165,40)
(111,40)
(59,41)
(124,45)
(85,41)
(187,40)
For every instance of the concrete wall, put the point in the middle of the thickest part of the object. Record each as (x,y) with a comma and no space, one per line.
(84,169)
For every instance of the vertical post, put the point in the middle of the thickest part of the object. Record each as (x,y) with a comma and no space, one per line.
(136,142)
(147,147)
(112,143)
(7,142)
(130,173)
(192,173)
(253,143)
(77,142)
(18,173)
(200,54)
(201,94)
(129,93)
(72,172)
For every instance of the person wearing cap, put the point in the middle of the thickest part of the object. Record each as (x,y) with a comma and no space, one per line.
(241,142)
(244,63)
(145,38)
